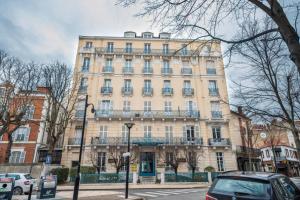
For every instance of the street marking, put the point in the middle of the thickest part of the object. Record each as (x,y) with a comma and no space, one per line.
(143,194)
(168,192)
(156,193)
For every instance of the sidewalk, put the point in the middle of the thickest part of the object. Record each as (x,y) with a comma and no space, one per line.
(121,186)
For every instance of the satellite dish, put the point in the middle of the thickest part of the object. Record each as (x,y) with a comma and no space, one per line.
(263,135)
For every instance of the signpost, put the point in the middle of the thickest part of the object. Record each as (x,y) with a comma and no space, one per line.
(6,188)
(47,187)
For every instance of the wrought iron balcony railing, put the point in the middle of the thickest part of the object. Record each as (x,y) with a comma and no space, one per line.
(213,91)
(216,115)
(243,150)
(127,70)
(74,141)
(185,114)
(218,142)
(147,91)
(211,71)
(147,141)
(186,71)
(147,70)
(167,91)
(82,89)
(127,91)
(141,51)
(166,71)
(105,90)
(108,69)
(188,91)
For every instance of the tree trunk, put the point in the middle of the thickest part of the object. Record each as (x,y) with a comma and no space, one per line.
(287,32)
(8,149)
(193,173)
(175,170)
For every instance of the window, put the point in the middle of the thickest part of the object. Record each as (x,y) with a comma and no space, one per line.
(107,82)
(83,83)
(106,106)
(128,63)
(268,153)
(103,134)
(216,132)
(147,64)
(191,107)
(169,133)
(184,50)
(88,45)
(101,165)
(187,84)
(147,131)
(128,48)
(168,107)
(147,106)
(287,153)
(166,64)
(78,133)
(147,48)
(210,67)
(147,84)
(167,84)
(169,160)
(215,106)
(29,112)
(17,156)
(110,47)
(165,48)
(108,62)
(212,88)
(126,106)
(21,134)
(147,35)
(220,161)
(86,64)
(127,84)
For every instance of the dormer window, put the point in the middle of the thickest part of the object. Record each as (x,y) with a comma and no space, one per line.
(130,34)
(147,35)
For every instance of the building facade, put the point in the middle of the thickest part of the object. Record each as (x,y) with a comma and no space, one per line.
(171,89)
(278,152)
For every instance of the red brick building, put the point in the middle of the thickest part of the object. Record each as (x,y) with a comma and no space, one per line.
(28,139)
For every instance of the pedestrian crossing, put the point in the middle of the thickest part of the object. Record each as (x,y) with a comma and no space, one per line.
(160,193)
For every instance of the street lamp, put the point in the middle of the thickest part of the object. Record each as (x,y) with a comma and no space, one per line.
(77,180)
(129,125)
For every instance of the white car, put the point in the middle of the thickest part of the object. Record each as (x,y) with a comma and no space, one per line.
(22,182)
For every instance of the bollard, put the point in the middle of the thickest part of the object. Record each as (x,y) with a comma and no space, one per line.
(30,192)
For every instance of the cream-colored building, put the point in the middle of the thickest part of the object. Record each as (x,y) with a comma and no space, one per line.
(171,89)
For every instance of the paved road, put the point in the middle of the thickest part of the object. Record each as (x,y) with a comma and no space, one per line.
(167,194)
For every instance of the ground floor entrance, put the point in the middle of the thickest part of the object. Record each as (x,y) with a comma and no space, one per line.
(147,164)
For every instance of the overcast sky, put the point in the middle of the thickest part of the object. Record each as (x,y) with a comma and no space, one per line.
(46,30)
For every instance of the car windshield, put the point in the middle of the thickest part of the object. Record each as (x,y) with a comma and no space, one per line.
(27,176)
(241,187)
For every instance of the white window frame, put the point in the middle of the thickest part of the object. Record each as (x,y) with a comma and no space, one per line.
(147,131)
(20,159)
(220,161)
(24,133)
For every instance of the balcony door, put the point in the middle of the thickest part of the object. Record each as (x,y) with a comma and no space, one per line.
(216,132)
(106,107)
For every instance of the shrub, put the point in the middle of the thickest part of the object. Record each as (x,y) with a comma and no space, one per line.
(209,169)
(83,170)
(61,173)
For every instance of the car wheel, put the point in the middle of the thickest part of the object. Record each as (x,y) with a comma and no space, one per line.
(18,191)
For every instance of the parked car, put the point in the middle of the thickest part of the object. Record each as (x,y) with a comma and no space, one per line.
(236,185)
(22,182)
(296,180)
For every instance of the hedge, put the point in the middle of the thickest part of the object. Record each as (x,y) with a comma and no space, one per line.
(83,170)
(62,174)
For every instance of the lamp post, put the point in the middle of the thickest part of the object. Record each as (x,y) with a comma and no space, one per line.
(77,179)
(129,126)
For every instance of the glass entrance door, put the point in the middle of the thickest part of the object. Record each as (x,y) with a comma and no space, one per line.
(147,164)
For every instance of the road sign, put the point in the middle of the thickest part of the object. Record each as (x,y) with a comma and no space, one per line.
(133,167)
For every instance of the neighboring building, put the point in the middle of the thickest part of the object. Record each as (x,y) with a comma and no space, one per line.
(243,143)
(172,89)
(277,145)
(30,140)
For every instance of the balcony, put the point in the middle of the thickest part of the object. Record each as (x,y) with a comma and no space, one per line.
(246,151)
(146,141)
(109,50)
(147,91)
(140,114)
(108,70)
(167,91)
(128,50)
(127,70)
(216,115)
(74,141)
(188,92)
(82,89)
(87,50)
(279,158)
(218,142)
(127,91)
(166,71)
(211,71)
(186,71)
(140,51)
(147,70)
(106,90)
(213,92)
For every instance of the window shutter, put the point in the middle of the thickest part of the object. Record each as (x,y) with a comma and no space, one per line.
(197,131)
(184,131)
(22,157)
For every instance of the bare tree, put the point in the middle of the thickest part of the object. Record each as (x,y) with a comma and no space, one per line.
(61,99)
(206,18)
(171,157)
(192,155)
(18,82)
